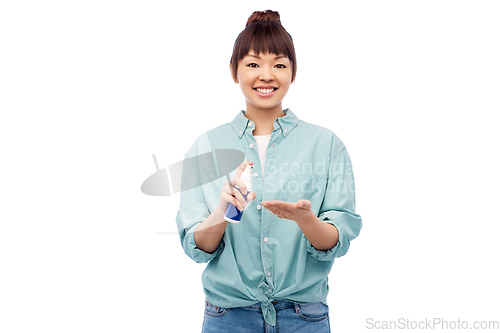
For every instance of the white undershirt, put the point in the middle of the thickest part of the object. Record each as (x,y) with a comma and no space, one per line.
(262,143)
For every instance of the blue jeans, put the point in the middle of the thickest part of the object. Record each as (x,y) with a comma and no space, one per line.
(290,318)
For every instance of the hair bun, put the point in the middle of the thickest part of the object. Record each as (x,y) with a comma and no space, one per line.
(267,15)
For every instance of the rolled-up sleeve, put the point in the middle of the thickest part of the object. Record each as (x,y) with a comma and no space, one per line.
(193,210)
(338,206)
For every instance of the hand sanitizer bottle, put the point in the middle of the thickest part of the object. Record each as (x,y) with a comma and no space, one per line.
(233,214)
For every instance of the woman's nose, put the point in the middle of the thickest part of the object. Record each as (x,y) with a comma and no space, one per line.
(266,74)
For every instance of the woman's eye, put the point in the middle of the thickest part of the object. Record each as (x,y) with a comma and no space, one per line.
(254,65)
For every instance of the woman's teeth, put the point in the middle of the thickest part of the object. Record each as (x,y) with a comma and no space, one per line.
(264,91)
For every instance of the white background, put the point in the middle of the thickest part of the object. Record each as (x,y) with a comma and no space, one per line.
(91,89)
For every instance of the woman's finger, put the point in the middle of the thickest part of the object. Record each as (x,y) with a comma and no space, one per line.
(242,168)
(240,183)
(276,211)
(251,196)
(229,198)
(275,208)
(237,195)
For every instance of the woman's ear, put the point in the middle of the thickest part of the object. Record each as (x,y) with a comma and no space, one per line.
(231,70)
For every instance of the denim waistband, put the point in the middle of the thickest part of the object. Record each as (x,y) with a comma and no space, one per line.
(278,304)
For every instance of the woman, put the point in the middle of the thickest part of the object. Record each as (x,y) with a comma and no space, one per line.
(270,271)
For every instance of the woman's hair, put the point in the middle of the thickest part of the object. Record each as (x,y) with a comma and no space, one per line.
(263,34)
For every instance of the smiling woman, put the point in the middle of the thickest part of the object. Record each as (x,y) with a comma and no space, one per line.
(263,34)
(264,80)
(275,262)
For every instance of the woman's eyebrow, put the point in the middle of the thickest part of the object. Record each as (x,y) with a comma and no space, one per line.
(256,56)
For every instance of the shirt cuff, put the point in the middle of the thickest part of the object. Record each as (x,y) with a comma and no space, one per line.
(197,254)
(327,255)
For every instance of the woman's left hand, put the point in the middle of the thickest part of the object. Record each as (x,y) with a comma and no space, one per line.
(299,212)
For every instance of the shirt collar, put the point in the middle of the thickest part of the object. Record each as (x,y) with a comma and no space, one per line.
(287,123)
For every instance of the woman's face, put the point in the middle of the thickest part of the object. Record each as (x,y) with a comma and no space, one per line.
(264,79)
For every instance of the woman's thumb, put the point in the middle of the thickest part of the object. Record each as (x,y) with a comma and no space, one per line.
(251,196)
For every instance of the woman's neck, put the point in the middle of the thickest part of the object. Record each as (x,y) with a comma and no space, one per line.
(263,118)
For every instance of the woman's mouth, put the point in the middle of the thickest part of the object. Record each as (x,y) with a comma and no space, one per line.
(265,92)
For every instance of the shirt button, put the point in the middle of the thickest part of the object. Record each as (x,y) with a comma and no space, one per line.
(255,175)
(285,130)
(266,239)
(241,132)
(271,145)
(249,124)
(259,206)
(251,145)
(268,273)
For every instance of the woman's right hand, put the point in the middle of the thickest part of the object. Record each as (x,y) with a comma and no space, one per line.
(238,200)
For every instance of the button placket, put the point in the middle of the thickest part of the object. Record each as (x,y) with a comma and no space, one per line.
(268,195)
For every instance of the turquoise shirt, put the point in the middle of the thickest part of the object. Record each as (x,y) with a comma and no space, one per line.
(264,257)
